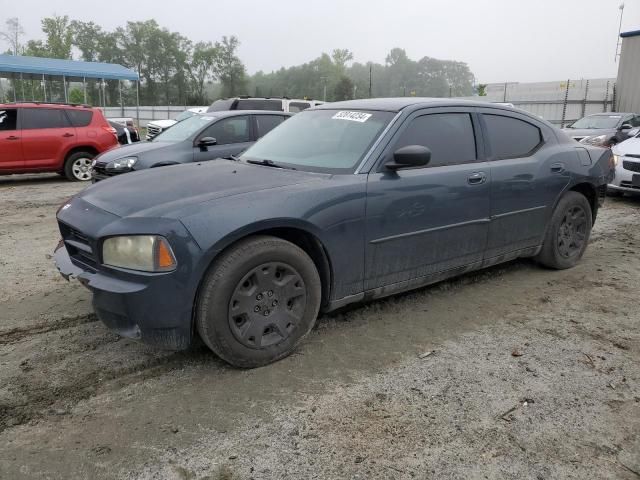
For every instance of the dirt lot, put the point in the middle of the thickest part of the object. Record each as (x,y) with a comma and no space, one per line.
(534,374)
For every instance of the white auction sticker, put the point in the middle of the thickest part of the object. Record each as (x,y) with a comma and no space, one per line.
(352,116)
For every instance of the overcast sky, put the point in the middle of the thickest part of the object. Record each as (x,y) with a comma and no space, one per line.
(501,40)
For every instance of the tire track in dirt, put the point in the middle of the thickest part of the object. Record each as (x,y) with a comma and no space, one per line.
(15,335)
(39,400)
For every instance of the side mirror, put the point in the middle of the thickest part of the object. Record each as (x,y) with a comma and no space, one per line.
(409,157)
(625,126)
(207,142)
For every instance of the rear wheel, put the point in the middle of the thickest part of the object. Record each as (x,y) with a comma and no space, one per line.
(258,301)
(568,233)
(77,167)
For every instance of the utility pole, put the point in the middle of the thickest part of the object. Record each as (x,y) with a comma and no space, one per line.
(618,42)
(370,78)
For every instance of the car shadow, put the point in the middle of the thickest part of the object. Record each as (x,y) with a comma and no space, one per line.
(31,179)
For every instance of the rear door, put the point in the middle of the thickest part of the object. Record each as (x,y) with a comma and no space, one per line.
(428,220)
(11,157)
(528,173)
(233,135)
(47,134)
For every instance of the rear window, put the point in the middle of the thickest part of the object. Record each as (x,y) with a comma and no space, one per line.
(221,105)
(35,118)
(8,119)
(255,104)
(80,118)
(266,123)
(510,137)
(296,107)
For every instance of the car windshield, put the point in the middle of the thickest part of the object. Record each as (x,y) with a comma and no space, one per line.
(597,122)
(184,115)
(333,141)
(183,130)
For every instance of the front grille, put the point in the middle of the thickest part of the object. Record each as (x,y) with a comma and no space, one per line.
(100,172)
(626,184)
(79,246)
(152,131)
(631,166)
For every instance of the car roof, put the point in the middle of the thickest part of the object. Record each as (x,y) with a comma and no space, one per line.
(400,103)
(608,114)
(45,105)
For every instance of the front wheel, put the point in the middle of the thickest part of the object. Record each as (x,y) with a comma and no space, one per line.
(568,232)
(258,301)
(77,167)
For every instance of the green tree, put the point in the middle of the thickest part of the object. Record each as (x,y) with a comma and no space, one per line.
(59,36)
(201,69)
(229,68)
(87,37)
(343,89)
(340,57)
(12,34)
(482,89)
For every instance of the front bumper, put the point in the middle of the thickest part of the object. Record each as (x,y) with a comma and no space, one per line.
(623,180)
(149,309)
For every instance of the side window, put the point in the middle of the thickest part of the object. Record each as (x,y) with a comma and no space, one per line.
(266,123)
(635,121)
(257,104)
(449,136)
(44,118)
(229,130)
(295,107)
(80,118)
(8,119)
(510,137)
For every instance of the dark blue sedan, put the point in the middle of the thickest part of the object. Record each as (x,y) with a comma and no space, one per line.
(342,203)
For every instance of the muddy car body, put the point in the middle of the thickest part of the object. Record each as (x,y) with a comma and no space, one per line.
(341,203)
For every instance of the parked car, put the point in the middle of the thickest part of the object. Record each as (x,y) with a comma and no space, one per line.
(627,160)
(342,203)
(603,129)
(198,138)
(45,137)
(126,134)
(263,103)
(158,126)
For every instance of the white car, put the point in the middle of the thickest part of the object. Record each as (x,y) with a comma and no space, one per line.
(158,126)
(626,156)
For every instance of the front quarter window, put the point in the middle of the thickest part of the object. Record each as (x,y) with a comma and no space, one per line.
(332,141)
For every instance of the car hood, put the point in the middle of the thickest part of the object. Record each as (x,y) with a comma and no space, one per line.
(131,150)
(588,132)
(163,192)
(163,123)
(630,146)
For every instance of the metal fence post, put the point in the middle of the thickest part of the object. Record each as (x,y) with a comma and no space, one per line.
(564,105)
(584,102)
(606,97)
(614,107)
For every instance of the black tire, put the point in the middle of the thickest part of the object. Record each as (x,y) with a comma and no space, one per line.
(568,232)
(76,168)
(275,290)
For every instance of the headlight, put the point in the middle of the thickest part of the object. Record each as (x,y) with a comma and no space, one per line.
(148,253)
(594,140)
(616,160)
(126,163)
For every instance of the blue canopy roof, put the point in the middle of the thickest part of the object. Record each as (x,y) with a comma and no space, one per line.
(69,68)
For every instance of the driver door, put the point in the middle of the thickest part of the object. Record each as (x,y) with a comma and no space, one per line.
(425,221)
(233,135)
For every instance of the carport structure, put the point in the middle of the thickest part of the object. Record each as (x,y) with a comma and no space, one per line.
(16,67)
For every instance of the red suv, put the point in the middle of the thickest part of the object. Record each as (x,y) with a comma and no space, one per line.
(44,137)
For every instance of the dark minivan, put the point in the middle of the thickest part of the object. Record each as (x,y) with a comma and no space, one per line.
(342,203)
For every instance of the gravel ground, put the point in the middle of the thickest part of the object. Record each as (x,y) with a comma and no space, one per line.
(530,373)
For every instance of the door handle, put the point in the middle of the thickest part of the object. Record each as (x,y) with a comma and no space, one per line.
(13,137)
(68,134)
(477,178)
(557,167)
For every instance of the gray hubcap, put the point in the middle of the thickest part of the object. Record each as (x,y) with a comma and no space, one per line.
(267,305)
(572,232)
(81,168)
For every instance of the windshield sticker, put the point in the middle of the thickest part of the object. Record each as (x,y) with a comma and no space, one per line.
(352,116)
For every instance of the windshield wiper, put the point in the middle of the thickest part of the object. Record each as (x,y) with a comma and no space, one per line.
(263,161)
(231,157)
